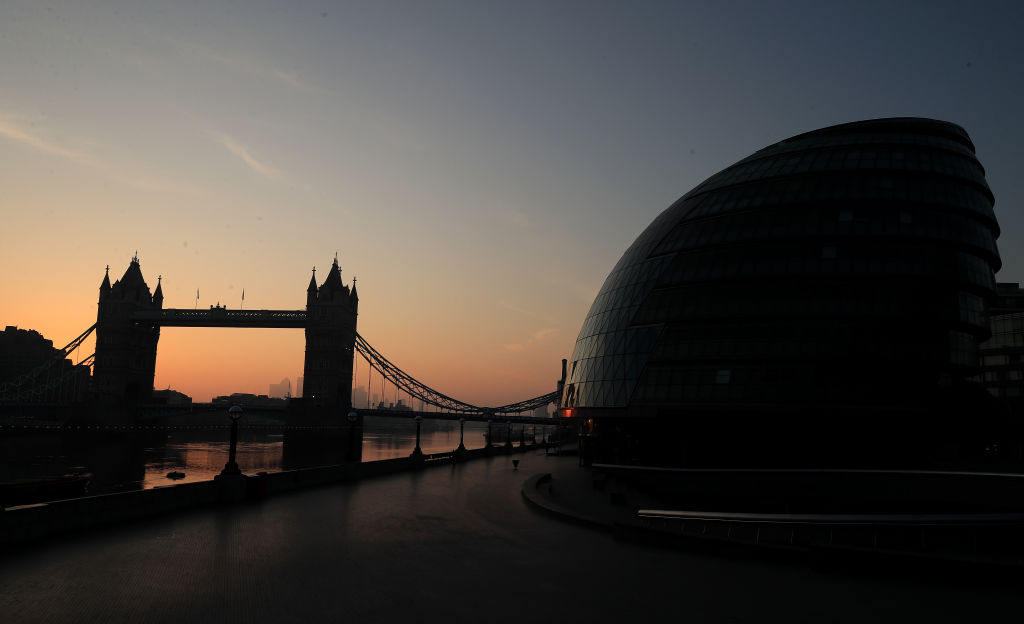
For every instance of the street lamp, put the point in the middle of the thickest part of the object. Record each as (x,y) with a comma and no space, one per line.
(462,433)
(418,451)
(352,418)
(231,468)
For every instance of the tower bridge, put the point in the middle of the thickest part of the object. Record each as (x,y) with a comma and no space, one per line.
(129,319)
(128,322)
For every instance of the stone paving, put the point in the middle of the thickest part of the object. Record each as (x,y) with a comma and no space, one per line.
(447,544)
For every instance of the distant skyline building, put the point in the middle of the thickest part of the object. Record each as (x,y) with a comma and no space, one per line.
(281,390)
(359,397)
(820,302)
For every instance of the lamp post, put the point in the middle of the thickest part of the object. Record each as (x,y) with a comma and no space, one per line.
(231,468)
(418,452)
(462,433)
(352,418)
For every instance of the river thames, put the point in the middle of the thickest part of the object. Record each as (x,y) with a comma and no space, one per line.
(142,457)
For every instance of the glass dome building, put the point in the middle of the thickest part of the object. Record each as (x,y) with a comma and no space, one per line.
(820,302)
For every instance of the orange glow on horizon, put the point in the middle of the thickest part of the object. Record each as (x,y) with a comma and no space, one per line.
(465,356)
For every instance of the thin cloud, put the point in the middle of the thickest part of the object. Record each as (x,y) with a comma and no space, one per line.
(544,318)
(518,218)
(18,129)
(242,65)
(539,335)
(238,150)
(9,128)
(290,80)
(535,337)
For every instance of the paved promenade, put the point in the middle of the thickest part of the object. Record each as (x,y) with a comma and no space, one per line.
(447,544)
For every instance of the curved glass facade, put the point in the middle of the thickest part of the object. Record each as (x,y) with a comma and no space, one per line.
(845,268)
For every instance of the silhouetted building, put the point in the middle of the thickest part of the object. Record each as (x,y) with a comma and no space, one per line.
(32,370)
(330,341)
(1002,356)
(21,350)
(171,397)
(246,399)
(125,350)
(817,303)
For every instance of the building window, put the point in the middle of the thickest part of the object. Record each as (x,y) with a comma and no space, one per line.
(723,376)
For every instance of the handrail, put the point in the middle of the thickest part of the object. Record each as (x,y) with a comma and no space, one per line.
(846,519)
(763,471)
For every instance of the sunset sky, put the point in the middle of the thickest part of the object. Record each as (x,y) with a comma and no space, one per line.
(478,166)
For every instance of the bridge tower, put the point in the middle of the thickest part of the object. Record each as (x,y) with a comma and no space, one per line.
(125,351)
(330,341)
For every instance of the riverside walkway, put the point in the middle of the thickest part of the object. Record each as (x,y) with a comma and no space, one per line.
(447,544)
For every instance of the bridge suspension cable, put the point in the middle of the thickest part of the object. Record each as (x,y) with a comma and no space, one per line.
(406,382)
(428,395)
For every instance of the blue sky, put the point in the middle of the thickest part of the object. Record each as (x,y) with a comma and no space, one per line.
(480,166)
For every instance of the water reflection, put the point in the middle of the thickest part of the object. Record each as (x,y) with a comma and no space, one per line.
(140,459)
(387,438)
(201,456)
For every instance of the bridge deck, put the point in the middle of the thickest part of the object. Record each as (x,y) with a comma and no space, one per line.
(222,317)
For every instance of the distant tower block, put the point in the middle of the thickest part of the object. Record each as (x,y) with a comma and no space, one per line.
(330,341)
(125,351)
